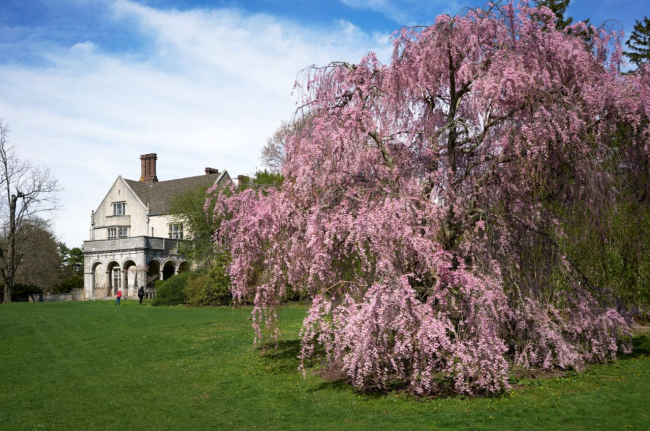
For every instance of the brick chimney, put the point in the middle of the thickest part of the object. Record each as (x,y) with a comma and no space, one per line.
(148,168)
(210,171)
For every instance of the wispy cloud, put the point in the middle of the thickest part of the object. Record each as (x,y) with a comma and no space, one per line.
(210,87)
(408,12)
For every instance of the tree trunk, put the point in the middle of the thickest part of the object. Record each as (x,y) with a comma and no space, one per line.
(11,267)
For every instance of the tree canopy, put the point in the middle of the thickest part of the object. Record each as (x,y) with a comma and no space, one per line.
(190,209)
(425,202)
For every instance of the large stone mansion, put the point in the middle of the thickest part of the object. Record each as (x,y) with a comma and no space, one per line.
(133,239)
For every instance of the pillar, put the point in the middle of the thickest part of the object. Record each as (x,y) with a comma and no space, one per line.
(89,285)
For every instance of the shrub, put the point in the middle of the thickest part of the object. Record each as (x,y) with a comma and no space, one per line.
(67,284)
(172,291)
(210,287)
(21,292)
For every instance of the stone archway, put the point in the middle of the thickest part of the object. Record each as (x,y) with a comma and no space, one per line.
(114,276)
(98,280)
(153,274)
(129,278)
(183,266)
(168,270)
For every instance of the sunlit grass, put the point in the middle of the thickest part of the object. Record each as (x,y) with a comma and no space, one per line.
(96,366)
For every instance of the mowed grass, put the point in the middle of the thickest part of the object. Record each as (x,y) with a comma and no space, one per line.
(91,365)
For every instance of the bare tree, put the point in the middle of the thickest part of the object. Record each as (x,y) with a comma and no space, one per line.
(30,192)
(273,153)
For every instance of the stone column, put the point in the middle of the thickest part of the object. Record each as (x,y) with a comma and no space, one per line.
(89,285)
(126,291)
(141,277)
(107,283)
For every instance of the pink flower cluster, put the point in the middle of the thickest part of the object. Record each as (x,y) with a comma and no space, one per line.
(392,336)
(416,211)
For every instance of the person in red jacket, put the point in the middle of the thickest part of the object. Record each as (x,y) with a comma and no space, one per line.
(119,296)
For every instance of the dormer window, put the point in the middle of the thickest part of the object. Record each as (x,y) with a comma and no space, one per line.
(176,231)
(119,208)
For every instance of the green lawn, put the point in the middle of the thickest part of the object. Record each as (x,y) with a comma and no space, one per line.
(91,365)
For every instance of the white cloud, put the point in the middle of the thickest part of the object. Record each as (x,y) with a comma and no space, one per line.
(86,47)
(408,12)
(209,90)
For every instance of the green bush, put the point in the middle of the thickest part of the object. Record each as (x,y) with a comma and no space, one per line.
(292,295)
(172,291)
(21,292)
(210,287)
(74,281)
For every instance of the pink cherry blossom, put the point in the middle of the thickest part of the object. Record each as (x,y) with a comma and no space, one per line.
(417,207)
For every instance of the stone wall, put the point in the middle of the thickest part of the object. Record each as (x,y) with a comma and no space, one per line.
(75,295)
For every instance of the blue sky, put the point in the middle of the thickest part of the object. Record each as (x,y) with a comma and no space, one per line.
(88,85)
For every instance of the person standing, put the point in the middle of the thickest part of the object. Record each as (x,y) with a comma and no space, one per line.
(119,296)
(141,293)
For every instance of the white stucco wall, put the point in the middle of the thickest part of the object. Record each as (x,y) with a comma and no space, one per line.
(135,211)
(160,225)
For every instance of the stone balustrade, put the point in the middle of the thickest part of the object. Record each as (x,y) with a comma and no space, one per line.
(132,243)
(116,221)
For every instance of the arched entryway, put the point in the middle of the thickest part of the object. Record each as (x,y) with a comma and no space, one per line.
(169,269)
(97,284)
(183,266)
(153,274)
(129,278)
(114,273)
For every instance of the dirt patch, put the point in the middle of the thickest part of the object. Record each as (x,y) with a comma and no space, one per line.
(332,373)
(538,373)
(640,329)
(522,378)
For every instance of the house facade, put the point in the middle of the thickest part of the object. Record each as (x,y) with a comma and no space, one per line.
(133,240)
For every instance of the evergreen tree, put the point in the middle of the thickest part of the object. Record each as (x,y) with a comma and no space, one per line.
(559,8)
(639,42)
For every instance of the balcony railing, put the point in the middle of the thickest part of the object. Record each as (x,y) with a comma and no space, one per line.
(137,242)
(116,220)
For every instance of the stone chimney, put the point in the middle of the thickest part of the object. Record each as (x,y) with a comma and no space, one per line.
(210,171)
(242,179)
(148,168)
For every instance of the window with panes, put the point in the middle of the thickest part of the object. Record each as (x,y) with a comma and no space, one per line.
(119,208)
(117,279)
(176,231)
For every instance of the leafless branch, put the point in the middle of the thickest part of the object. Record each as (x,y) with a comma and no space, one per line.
(30,193)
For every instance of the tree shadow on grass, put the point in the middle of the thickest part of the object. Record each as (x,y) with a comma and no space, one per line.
(641,344)
(283,356)
(336,385)
(333,377)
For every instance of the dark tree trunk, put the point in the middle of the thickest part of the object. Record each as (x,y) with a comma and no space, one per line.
(11,251)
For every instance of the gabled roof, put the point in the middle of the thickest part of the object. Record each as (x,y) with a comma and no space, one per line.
(158,195)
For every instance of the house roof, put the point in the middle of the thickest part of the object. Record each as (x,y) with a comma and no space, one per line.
(159,195)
